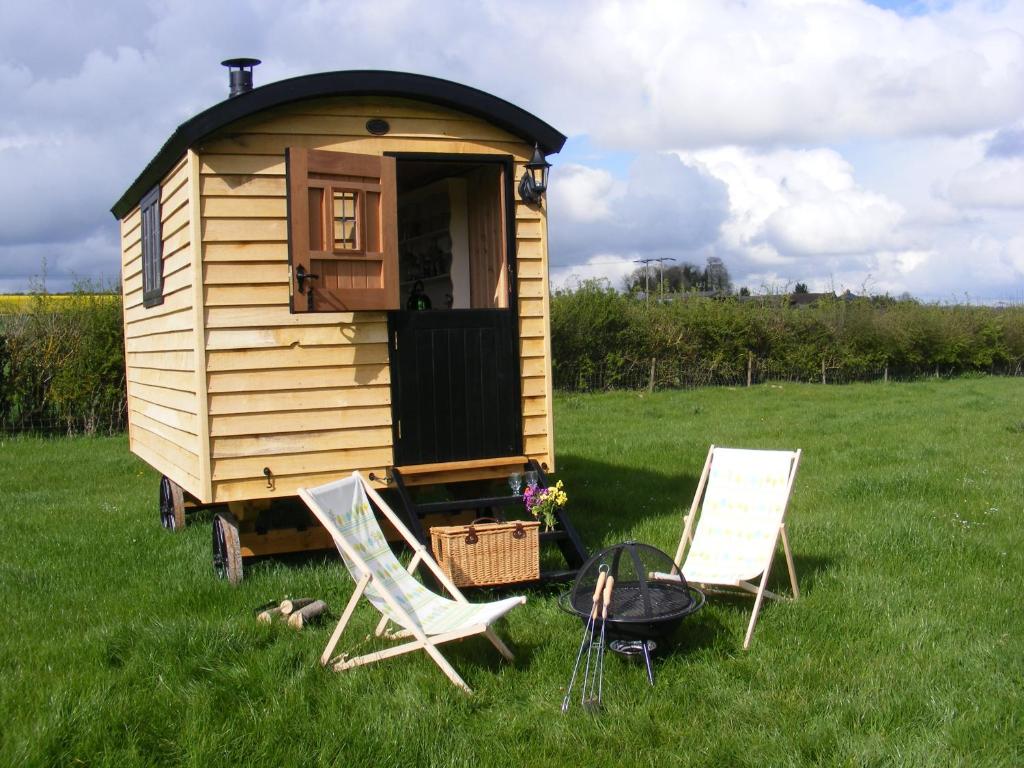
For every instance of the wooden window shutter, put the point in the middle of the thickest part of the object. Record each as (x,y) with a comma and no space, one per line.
(342,231)
(152,249)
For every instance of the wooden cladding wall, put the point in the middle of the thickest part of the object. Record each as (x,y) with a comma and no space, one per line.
(308,396)
(164,412)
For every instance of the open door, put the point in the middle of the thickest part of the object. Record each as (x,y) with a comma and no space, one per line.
(454,344)
(342,232)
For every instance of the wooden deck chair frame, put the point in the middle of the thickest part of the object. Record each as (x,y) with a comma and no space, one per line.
(759,590)
(420,640)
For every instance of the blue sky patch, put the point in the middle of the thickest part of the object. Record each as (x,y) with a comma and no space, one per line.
(580,150)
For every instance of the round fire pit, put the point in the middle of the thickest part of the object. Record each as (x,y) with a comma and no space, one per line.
(649,600)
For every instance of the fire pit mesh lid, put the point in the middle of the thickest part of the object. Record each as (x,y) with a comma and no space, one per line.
(648,585)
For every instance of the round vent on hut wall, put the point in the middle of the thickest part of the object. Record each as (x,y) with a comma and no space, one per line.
(377,126)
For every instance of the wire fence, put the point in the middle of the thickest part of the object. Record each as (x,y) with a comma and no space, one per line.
(653,374)
(112,420)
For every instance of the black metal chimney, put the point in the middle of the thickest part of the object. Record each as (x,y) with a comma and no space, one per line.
(240,75)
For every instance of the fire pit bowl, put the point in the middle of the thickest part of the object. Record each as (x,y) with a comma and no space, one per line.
(650,597)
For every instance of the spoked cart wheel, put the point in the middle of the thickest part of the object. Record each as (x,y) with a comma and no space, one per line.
(172,505)
(227,550)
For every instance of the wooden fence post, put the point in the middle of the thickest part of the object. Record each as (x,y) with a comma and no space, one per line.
(885,376)
(650,382)
(750,367)
(823,370)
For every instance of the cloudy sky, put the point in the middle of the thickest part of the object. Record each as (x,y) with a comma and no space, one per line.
(841,143)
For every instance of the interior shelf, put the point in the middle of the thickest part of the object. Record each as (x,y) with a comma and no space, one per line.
(413,281)
(423,236)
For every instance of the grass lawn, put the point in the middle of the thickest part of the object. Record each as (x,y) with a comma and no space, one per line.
(119,647)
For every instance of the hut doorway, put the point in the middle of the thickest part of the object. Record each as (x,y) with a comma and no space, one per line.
(454,343)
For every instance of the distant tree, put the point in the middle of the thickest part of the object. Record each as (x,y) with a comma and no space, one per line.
(678,278)
(634,281)
(744,291)
(716,276)
(800,288)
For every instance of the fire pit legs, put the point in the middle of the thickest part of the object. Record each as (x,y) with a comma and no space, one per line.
(647,661)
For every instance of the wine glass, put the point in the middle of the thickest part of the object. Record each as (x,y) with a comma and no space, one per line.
(531,478)
(515,482)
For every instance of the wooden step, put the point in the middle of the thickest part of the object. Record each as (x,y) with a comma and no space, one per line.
(458,504)
(461,471)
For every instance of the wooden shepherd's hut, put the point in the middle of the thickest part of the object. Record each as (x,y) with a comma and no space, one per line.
(330,273)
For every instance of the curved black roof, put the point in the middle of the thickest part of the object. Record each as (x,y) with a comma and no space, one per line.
(444,93)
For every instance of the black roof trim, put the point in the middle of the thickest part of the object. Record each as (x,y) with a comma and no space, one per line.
(445,93)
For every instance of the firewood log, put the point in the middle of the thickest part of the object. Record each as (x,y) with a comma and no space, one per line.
(288,607)
(267,616)
(308,614)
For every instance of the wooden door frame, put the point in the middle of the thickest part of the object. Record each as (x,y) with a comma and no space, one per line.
(507,162)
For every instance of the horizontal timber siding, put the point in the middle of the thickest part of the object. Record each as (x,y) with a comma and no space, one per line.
(163,405)
(308,396)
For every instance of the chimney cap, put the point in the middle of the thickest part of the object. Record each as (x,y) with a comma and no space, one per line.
(240,75)
(242,62)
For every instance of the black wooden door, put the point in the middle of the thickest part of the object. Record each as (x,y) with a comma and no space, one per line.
(454,385)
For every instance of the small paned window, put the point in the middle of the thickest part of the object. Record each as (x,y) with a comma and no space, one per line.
(152,249)
(345,221)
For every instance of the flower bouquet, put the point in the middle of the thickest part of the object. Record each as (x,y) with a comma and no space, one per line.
(543,502)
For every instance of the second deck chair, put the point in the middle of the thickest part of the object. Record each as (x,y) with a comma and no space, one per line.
(742,497)
(424,616)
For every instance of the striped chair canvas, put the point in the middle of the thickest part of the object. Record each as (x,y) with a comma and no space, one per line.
(429,619)
(736,521)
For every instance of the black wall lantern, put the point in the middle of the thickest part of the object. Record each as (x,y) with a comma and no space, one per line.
(535,179)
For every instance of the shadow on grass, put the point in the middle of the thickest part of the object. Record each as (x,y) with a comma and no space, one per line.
(611,503)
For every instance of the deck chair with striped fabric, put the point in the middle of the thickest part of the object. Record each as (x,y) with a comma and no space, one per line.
(742,497)
(424,616)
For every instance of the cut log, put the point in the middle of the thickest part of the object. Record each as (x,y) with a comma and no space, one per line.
(288,607)
(267,616)
(307,615)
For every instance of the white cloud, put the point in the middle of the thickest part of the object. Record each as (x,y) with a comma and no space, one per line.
(850,222)
(1015,253)
(666,208)
(709,73)
(584,194)
(798,204)
(821,139)
(602,266)
(992,183)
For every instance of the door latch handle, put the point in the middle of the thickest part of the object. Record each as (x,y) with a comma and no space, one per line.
(301,276)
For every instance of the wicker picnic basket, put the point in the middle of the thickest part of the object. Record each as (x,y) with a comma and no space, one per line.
(488,553)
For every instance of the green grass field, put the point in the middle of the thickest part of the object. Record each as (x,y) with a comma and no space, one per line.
(120,648)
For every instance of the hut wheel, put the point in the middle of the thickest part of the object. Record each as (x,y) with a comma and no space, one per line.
(172,505)
(227,550)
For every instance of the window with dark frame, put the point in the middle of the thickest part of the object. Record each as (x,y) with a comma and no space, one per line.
(152,249)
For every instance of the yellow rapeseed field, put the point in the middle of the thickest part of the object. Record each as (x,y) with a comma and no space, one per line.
(10,302)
